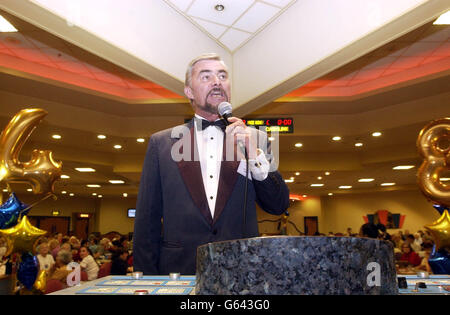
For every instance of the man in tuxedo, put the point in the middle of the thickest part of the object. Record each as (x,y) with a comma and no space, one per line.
(192,189)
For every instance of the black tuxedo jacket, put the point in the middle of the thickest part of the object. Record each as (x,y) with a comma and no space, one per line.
(172,212)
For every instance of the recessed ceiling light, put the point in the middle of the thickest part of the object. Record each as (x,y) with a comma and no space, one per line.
(319,177)
(219,7)
(56,137)
(117,146)
(125,195)
(101,137)
(358,144)
(63,176)
(365,180)
(327,173)
(304,196)
(345,187)
(140,140)
(330,194)
(5,26)
(85,169)
(116,181)
(71,194)
(403,167)
(29,189)
(376,134)
(297,173)
(5,190)
(298,145)
(387,184)
(94,194)
(93,185)
(63,192)
(336,138)
(100,196)
(289,180)
(316,185)
(443,19)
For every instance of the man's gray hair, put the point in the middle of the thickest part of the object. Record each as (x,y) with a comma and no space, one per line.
(65,256)
(208,56)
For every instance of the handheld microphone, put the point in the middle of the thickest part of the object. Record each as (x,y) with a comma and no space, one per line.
(225,111)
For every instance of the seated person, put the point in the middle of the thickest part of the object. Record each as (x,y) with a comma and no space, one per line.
(119,263)
(427,248)
(45,259)
(409,255)
(88,263)
(59,270)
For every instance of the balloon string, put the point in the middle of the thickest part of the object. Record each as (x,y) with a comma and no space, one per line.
(37,202)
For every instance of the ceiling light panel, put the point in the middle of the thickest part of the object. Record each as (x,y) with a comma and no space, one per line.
(258,15)
(214,29)
(234,38)
(182,5)
(5,26)
(233,10)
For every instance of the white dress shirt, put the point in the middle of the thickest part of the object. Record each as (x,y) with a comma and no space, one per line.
(210,149)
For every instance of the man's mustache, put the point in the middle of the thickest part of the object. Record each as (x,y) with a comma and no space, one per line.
(217,90)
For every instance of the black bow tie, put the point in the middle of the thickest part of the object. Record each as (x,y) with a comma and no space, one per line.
(218,123)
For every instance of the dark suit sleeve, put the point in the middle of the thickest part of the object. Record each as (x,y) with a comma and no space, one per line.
(272,194)
(147,225)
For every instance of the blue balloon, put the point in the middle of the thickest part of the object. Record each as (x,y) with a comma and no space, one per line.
(10,212)
(28,270)
(441,209)
(439,261)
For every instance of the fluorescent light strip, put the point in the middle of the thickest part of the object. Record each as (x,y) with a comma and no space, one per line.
(365,180)
(345,187)
(387,184)
(116,181)
(93,185)
(316,185)
(403,167)
(85,169)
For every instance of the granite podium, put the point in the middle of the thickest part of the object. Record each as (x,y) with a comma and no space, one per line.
(296,265)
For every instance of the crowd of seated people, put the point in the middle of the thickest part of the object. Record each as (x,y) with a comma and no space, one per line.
(411,251)
(97,257)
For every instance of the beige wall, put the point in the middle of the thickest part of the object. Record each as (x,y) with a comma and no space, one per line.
(342,211)
(338,212)
(66,205)
(335,213)
(113,215)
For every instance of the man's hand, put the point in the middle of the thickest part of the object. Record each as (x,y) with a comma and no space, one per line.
(243,134)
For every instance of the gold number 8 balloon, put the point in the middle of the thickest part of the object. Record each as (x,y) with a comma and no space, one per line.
(433,144)
(41,171)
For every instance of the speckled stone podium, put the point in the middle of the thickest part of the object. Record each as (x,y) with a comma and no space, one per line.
(296,265)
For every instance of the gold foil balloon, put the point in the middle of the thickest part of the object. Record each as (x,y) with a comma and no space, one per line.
(41,171)
(41,281)
(440,229)
(22,237)
(436,161)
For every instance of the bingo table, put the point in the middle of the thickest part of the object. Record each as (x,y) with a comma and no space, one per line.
(185,285)
(128,285)
(431,285)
